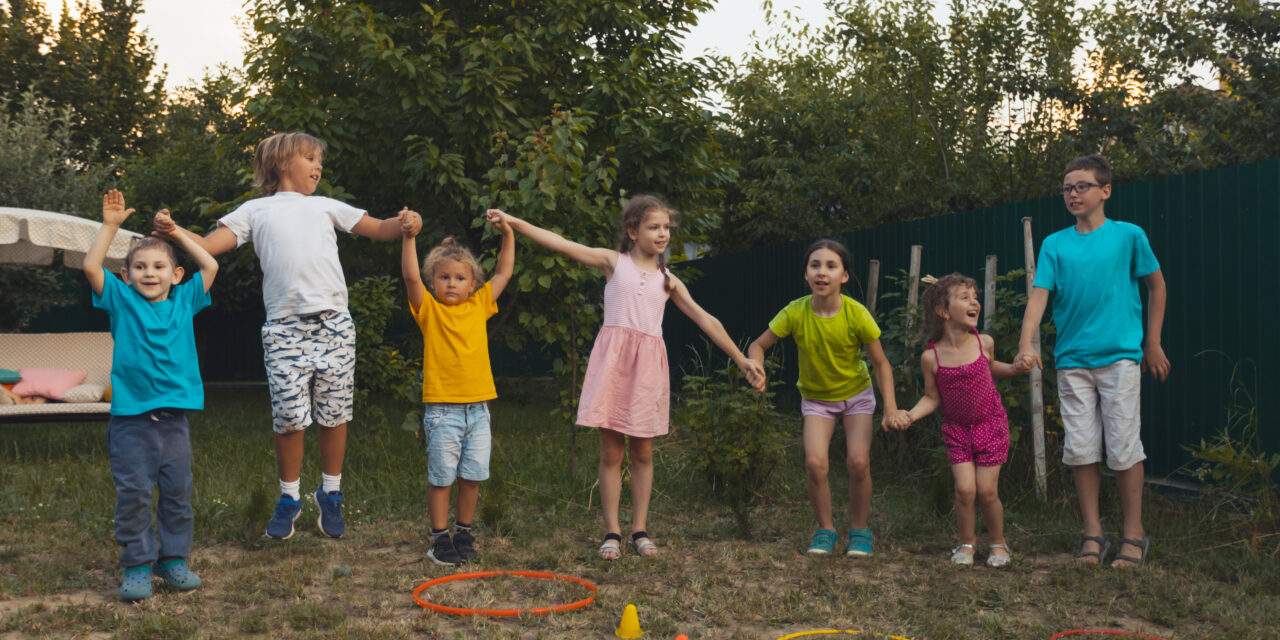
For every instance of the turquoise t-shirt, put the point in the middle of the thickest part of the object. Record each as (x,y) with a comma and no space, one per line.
(1094,280)
(154,363)
(831,365)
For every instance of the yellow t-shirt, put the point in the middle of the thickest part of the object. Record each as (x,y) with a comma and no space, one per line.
(831,365)
(455,348)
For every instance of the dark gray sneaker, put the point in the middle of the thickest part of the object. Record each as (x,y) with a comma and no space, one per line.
(443,553)
(465,544)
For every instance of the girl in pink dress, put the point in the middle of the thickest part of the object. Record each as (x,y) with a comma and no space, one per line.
(627,389)
(959,368)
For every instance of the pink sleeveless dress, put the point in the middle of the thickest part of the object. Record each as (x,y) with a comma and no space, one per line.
(627,387)
(974,423)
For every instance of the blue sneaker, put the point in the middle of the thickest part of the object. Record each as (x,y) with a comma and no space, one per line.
(330,520)
(281,525)
(178,574)
(824,541)
(136,584)
(859,543)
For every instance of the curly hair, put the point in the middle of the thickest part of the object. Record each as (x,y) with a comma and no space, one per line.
(449,249)
(633,216)
(936,297)
(274,154)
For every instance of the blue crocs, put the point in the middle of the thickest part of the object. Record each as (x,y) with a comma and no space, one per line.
(824,541)
(136,584)
(330,521)
(859,543)
(281,525)
(178,574)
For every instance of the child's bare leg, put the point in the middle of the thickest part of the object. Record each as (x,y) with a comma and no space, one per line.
(612,447)
(857,437)
(817,440)
(641,451)
(988,483)
(1129,482)
(1088,479)
(289,455)
(468,497)
(333,448)
(438,506)
(966,490)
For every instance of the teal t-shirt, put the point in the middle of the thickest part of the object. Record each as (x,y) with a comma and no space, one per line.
(831,365)
(1094,280)
(153,363)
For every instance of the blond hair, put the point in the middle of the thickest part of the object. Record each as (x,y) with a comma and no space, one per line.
(274,154)
(150,242)
(449,249)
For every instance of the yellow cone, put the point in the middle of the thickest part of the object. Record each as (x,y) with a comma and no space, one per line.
(630,625)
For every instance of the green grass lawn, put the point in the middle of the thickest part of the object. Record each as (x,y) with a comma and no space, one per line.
(60,575)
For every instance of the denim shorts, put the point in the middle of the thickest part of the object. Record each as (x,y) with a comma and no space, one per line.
(458,442)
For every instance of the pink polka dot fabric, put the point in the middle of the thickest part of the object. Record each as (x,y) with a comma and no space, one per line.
(974,423)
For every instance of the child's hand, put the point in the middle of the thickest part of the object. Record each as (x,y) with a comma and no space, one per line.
(113,211)
(410,222)
(164,225)
(756,376)
(1022,365)
(1026,360)
(498,219)
(896,420)
(1154,360)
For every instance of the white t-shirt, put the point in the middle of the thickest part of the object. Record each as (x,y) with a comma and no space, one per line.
(297,247)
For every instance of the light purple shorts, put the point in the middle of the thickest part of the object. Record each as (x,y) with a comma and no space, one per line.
(863,403)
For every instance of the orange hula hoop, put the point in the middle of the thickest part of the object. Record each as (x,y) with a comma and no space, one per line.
(463,611)
(1102,632)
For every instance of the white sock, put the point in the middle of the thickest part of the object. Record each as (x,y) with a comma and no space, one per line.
(291,488)
(330,483)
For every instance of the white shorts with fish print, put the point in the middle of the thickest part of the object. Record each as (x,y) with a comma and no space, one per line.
(310,363)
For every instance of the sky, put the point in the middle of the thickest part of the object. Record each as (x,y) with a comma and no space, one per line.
(191,37)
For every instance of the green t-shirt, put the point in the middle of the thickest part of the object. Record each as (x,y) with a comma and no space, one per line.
(831,366)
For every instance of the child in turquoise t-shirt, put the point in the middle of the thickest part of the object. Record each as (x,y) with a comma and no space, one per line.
(155,377)
(831,330)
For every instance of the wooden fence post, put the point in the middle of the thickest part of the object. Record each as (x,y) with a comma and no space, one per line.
(989,294)
(1037,385)
(913,289)
(873,285)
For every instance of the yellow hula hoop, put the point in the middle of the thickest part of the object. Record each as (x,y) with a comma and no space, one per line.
(823,632)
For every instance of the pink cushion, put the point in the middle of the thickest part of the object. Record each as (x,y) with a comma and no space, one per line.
(50,383)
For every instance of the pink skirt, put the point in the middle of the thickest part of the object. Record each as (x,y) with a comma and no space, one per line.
(627,387)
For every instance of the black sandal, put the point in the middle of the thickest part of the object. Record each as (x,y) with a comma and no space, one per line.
(1104,546)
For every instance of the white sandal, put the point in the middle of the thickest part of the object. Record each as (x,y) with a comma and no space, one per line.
(998,561)
(611,548)
(964,559)
(643,545)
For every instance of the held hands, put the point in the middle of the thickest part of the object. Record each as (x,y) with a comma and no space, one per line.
(755,373)
(1154,360)
(410,222)
(896,420)
(1027,359)
(1022,365)
(164,225)
(113,211)
(499,219)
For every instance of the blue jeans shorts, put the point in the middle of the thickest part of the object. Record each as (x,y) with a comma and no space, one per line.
(458,442)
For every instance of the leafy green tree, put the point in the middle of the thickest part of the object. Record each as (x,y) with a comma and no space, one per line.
(24,29)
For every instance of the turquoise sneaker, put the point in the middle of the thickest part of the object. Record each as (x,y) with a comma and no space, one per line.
(136,584)
(177,574)
(824,542)
(859,543)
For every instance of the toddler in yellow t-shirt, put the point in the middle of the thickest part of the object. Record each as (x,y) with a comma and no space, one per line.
(457,383)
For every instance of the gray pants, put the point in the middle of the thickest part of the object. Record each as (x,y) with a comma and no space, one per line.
(146,450)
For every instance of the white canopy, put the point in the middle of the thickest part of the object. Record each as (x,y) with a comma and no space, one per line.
(28,236)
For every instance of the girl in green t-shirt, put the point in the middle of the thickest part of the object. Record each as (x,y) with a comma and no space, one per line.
(830,330)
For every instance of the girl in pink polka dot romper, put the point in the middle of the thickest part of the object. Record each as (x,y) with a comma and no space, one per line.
(626,391)
(959,370)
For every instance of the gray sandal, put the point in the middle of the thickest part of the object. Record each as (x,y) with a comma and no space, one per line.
(1144,544)
(1104,546)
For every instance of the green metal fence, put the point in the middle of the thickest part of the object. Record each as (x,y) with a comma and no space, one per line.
(1216,234)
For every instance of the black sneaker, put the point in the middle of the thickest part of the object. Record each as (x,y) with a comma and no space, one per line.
(464,543)
(443,553)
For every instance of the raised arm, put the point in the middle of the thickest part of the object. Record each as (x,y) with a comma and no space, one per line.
(507,256)
(409,266)
(113,215)
(893,417)
(190,243)
(1153,357)
(389,229)
(929,402)
(603,259)
(218,242)
(1036,303)
(715,330)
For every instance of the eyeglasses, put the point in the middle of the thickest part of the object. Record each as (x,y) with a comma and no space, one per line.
(1080,187)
